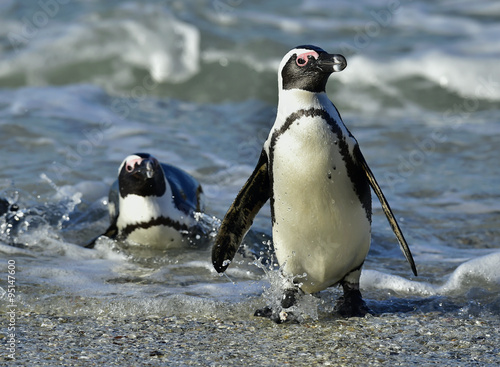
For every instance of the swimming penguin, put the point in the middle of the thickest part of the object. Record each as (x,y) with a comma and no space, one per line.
(318,182)
(153,204)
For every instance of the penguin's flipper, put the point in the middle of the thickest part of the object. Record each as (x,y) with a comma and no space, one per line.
(111,232)
(4,206)
(113,202)
(240,215)
(387,209)
(113,209)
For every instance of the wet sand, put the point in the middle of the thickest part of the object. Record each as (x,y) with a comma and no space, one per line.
(433,338)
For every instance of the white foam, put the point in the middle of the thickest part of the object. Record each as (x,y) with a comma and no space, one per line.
(87,190)
(484,269)
(155,40)
(482,272)
(167,47)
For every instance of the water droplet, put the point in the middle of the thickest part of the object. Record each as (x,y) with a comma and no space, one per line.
(223,61)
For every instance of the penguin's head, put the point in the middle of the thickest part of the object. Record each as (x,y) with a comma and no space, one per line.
(141,174)
(308,68)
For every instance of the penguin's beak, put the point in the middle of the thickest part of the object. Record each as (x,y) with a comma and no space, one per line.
(329,63)
(145,169)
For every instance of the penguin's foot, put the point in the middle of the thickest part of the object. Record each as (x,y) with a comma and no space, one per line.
(264,312)
(278,317)
(351,304)
(282,315)
(289,297)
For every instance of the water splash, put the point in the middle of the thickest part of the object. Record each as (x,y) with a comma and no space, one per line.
(305,305)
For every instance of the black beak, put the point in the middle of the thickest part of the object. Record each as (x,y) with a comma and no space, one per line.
(329,63)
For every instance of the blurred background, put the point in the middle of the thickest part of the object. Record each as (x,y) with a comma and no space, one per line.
(423,54)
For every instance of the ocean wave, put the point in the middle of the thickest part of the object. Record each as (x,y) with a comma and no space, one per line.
(480,272)
(204,52)
(104,48)
(463,75)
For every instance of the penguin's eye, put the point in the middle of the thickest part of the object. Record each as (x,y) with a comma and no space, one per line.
(304,58)
(129,168)
(302,61)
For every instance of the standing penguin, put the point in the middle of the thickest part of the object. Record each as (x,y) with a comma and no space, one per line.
(153,204)
(313,171)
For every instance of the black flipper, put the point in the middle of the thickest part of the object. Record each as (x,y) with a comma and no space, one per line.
(240,215)
(4,206)
(111,232)
(113,208)
(387,209)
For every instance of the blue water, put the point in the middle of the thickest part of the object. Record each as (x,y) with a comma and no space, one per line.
(84,84)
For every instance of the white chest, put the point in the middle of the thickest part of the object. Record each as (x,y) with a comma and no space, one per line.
(158,236)
(153,221)
(320,226)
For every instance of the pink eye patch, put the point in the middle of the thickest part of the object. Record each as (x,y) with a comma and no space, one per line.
(303,59)
(129,166)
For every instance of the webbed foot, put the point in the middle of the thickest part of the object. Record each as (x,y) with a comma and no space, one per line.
(281,316)
(278,317)
(351,304)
